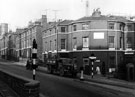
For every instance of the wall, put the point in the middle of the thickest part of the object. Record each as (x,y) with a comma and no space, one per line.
(24,87)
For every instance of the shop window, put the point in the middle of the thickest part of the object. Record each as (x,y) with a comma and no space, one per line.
(85,61)
(112,62)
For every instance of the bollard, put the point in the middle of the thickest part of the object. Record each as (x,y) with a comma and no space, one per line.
(34,57)
(82,76)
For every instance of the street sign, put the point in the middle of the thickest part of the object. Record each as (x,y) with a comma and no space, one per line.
(97,61)
(92,57)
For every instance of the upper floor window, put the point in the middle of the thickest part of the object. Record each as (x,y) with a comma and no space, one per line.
(111,25)
(129,42)
(50,45)
(111,41)
(74,27)
(55,44)
(63,29)
(63,43)
(85,26)
(85,42)
(74,43)
(129,27)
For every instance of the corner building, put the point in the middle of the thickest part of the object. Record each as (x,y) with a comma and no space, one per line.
(109,38)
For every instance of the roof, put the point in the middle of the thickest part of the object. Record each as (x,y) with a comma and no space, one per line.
(59,23)
(103,17)
(65,22)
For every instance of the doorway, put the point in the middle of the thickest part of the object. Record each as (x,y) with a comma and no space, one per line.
(130,72)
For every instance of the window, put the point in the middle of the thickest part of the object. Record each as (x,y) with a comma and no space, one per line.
(85,61)
(121,27)
(120,42)
(63,44)
(45,46)
(129,27)
(111,25)
(111,41)
(129,42)
(55,43)
(63,29)
(50,45)
(74,27)
(85,26)
(112,62)
(85,42)
(74,43)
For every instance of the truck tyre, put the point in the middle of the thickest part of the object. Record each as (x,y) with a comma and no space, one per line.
(74,75)
(61,72)
(49,69)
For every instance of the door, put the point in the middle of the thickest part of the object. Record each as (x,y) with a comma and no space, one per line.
(130,72)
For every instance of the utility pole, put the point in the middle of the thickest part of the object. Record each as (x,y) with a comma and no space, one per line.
(86,7)
(55,11)
(46,11)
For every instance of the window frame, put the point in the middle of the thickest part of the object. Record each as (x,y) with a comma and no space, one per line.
(63,45)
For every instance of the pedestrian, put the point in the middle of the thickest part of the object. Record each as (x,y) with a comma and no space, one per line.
(98,70)
(103,69)
(29,64)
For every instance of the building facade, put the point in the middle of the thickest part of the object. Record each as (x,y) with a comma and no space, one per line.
(25,40)
(3,39)
(109,38)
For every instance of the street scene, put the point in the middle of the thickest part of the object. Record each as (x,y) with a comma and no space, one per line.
(67,48)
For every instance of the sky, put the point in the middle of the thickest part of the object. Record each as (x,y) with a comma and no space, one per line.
(17,13)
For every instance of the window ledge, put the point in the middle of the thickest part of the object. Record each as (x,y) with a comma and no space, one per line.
(111,48)
(85,49)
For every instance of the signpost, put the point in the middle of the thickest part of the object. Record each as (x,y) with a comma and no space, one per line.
(34,57)
(92,58)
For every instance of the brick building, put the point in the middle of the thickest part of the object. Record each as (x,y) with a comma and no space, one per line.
(27,35)
(109,38)
(3,39)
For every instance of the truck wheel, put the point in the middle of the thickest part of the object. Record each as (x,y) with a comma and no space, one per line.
(74,75)
(49,69)
(61,72)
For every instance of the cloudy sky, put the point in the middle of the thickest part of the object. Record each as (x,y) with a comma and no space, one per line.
(17,13)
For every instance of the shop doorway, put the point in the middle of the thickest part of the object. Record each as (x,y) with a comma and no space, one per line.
(130,72)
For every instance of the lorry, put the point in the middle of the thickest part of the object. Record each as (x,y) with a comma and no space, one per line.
(62,66)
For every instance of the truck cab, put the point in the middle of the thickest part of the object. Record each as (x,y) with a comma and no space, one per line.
(63,66)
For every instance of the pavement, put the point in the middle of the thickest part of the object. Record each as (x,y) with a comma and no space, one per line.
(98,80)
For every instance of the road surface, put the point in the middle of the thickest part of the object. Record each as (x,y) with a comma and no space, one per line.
(56,86)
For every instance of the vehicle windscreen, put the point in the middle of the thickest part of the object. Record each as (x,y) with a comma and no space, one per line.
(67,61)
